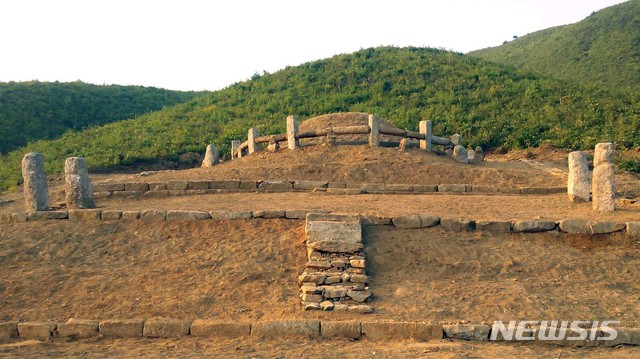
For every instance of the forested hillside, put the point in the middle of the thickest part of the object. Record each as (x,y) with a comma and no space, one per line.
(490,105)
(45,110)
(603,49)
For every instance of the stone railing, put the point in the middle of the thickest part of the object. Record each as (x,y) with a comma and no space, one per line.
(453,146)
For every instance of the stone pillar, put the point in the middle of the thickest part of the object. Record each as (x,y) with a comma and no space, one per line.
(36,189)
(578,182)
(234,149)
(425,129)
(456,140)
(251,140)
(211,157)
(471,155)
(460,154)
(77,186)
(479,155)
(603,178)
(292,132)
(374,130)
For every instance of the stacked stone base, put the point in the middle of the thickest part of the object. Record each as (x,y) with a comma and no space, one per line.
(334,277)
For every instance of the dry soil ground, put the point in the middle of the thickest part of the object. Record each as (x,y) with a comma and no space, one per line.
(247,270)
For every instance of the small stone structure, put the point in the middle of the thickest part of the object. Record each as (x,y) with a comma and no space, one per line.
(578,185)
(460,154)
(603,178)
(235,144)
(36,189)
(292,132)
(211,157)
(334,277)
(251,140)
(425,129)
(374,134)
(78,189)
(479,155)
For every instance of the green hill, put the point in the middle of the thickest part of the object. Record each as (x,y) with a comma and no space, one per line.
(490,105)
(602,49)
(44,110)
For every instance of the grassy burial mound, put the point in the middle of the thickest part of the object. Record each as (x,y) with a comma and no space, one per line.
(489,105)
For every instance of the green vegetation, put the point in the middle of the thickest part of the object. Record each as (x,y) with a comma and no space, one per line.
(629,164)
(603,49)
(43,110)
(490,105)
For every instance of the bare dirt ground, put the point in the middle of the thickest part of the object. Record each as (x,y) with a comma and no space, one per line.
(219,348)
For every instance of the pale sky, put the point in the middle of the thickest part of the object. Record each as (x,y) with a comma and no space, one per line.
(208,45)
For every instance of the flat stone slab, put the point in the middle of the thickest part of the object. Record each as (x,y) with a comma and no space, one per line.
(286,329)
(228,184)
(276,186)
(458,188)
(478,332)
(85,214)
(401,331)
(216,328)
(123,328)
(331,229)
(344,329)
(47,215)
(111,215)
(174,215)
(626,336)
(153,215)
(37,330)
(457,224)
(165,328)
(227,215)
(8,331)
(606,227)
(415,221)
(78,328)
(493,227)
(136,186)
(269,214)
(309,185)
(575,226)
(533,226)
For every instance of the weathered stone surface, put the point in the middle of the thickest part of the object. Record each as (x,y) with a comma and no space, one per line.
(425,128)
(311,288)
(336,246)
(197,185)
(326,305)
(78,328)
(479,155)
(165,328)
(345,191)
(36,189)
(457,224)
(46,216)
(603,154)
(606,227)
(123,328)
(333,279)
(373,219)
(579,183)
(136,186)
(603,188)
(309,185)
(292,132)
(296,214)
(37,330)
(128,194)
(471,155)
(85,214)
(174,215)
(346,329)
(130,215)
(8,331)
(358,308)
(633,229)
(477,332)
(627,336)
(317,278)
(225,215)
(401,330)
(409,221)
(311,306)
(78,189)
(358,278)
(357,263)
(158,186)
(402,146)
(334,292)
(248,185)
(330,230)
(494,227)
(269,214)
(153,215)
(575,226)
(177,185)
(235,145)
(448,152)
(108,187)
(211,156)
(456,139)
(286,329)
(374,130)
(534,190)
(460,154)
(226,184)
(452,188)
(533,226)
(359,296)
(319,264)
(219,329)
(276,186)
(156,194)
(398,187)
(425,188)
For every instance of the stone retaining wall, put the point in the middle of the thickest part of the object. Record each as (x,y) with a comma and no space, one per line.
(186,187)
(452,224)
(280,329)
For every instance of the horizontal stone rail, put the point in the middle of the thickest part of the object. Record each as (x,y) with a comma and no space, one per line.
(284,329)
(195,187)
(415,221)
